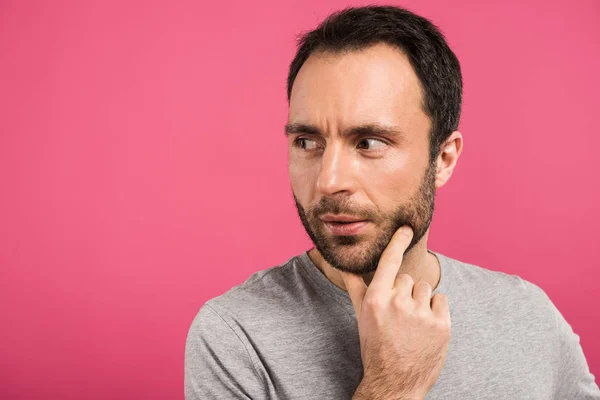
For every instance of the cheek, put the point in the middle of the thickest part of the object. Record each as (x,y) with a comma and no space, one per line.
(389,184)
(302,177)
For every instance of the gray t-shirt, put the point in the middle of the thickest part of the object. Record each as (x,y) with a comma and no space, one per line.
(289,333)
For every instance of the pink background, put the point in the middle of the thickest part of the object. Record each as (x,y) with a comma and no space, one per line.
(143,171)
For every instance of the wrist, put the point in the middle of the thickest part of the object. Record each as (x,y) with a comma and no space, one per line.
(366,391)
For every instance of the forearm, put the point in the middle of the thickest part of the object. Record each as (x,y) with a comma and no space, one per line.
(366,391)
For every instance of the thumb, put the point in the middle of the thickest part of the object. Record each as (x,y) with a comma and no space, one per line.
(356,287)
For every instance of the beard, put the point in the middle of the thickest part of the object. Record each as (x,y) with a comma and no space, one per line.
(360,254)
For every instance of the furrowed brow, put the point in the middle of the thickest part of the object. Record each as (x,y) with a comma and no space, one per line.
(375,129)
(301,128)
(367,129)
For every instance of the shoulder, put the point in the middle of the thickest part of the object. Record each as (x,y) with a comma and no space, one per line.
(267,292)
(498,291)
(225,320)
(475,276)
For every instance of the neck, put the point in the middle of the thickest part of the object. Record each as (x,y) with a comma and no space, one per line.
(419,263)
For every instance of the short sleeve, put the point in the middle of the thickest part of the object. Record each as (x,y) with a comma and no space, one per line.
(217,362)
(574,379)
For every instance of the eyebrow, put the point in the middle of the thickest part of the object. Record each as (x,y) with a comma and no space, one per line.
(367,129)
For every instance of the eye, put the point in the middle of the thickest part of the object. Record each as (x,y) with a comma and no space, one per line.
(305,143)
(374,144)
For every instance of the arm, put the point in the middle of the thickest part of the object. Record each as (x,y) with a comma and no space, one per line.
(218,363)
(365,391)
(574,380)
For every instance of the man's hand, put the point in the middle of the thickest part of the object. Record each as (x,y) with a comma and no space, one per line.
(404,332)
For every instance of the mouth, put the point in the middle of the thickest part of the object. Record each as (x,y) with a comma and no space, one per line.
(342,218)
(346,228)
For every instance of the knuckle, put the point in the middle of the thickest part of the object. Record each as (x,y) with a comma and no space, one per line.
(400,303)
(406,278)
(439,301)
(373,302)
(441,297)
(441,325)
(422,314)
(425,285)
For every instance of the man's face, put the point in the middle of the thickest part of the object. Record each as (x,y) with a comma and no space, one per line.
(359,145)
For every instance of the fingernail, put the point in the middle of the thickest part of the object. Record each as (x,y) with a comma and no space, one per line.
(407,230)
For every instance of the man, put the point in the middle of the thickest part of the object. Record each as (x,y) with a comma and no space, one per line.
(370,313)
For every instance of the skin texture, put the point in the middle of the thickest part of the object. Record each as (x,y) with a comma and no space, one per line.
(387,180)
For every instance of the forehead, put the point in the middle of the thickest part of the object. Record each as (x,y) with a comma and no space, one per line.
(372,85)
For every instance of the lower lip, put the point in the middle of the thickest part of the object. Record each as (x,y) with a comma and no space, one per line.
(353,228)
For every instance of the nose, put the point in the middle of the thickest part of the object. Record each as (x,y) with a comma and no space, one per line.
(336,174)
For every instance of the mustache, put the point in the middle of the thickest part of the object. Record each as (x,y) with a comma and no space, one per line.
(329,206)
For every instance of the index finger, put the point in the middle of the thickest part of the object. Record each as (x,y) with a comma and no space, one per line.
(391,259)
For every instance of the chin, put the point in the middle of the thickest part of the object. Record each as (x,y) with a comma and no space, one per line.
(355,258)
(357,269)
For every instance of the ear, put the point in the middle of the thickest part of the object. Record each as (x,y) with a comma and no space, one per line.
(447,158)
